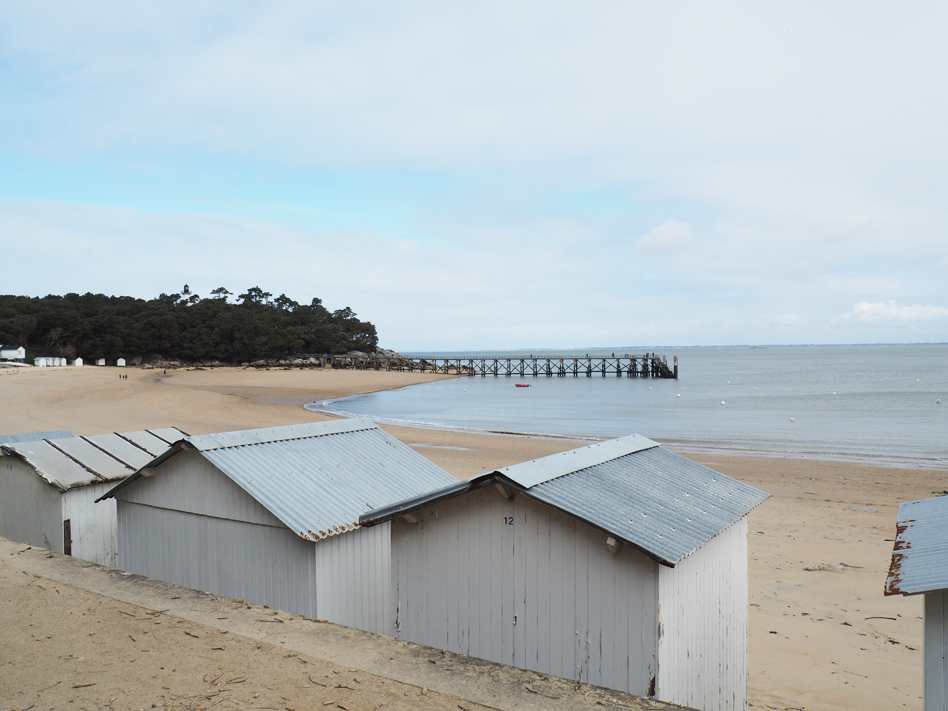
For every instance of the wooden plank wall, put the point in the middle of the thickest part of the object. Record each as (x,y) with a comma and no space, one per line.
(191,525)
(519,583)
(30,508)
(92,524)
(702,659)
(936,651)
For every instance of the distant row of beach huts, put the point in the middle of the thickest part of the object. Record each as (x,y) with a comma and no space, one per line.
(619,564)
(17,354)
(53,362)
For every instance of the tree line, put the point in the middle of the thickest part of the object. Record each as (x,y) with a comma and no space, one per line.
(255,326)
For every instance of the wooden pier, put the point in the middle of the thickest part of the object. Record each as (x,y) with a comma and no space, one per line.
(649,365)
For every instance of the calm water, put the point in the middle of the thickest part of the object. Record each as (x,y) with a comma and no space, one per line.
(873,401)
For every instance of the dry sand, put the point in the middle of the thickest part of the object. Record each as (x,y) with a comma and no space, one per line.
(822,639)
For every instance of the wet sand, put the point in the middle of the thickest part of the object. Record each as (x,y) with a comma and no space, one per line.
(819,639)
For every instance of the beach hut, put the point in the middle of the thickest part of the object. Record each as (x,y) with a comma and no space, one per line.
(100,361)
(120,362)
(919,566)
(620,564)
(271,516)
(48,486)
(77,362)
(15,353)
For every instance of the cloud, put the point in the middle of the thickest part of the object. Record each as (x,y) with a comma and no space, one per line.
(791,320)
(669,236)
(890,313)
(517,164)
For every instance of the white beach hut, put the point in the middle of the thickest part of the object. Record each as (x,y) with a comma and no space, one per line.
(15,353)
(120,362)
(100,361)
(271,516)
(620,564)
(77,362)
(48,486)
(920,567)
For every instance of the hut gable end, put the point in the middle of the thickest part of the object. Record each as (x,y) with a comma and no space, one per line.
(189,482)
(518,582)
(30,509)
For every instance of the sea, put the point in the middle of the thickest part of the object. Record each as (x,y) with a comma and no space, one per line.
(885,403)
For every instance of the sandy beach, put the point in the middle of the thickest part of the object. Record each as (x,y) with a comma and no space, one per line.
(820,639)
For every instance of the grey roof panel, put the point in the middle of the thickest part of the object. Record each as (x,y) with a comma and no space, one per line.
(93,458)
(920,553)
(537,471)
(120,448)
(52,465)
(79,461)
(659,501)
(34,436)
(320,485)
(268,435)
(169,434)
(146,440)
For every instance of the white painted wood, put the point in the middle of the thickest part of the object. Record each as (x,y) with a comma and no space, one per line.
(936,651)
(188,482)
(93,528)
(702,651)
(260,564)
(30,508)
(550,570)
(354,579)
(223,541)
(33,511)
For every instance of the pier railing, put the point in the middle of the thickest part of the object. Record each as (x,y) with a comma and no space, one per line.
(648,365)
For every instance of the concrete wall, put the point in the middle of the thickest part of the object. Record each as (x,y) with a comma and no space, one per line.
(520,583)
(702,657)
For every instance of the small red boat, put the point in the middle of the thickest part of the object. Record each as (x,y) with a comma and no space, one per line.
(522,385)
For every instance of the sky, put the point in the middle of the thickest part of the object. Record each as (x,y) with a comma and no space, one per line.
(491,175)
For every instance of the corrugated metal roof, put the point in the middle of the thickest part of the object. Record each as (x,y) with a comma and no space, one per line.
(657,501)
(920,554)
(317,478)
(34,436)
(661,502)
(268,435)
(80,461)
(537,471)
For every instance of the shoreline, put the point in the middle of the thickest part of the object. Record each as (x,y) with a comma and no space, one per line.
(819,638)
(899,462)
